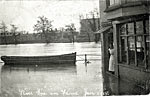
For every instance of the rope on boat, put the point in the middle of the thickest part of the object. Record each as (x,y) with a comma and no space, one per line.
(85,57)
(82,59)
(88,55)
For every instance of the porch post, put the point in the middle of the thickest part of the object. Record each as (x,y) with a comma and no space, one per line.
(116,41)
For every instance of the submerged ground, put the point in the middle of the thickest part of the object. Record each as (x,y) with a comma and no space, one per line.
(60,81)
(79,80)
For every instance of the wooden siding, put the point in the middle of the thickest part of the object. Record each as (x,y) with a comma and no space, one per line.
(136,75)
(128,11)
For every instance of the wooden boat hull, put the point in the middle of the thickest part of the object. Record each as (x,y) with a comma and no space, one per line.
(37,60)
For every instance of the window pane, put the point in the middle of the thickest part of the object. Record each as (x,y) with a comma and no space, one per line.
(147,26)
(123,50)
(148,50)
(148,39)
(131,43)
(140,50)
(112,2)
(148,43)
(131,49)
(123,29)
(139,27)
(130,28)
(117,1)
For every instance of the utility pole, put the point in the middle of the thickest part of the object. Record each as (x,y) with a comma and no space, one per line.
(98,17)
(94,23)
(90,27)
(98,20)
(72,36)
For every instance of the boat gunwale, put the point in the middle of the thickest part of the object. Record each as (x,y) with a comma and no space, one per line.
(58,59)
(70,54)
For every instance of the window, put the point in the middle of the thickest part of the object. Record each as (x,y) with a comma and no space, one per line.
(140,49)
(131,49)
(147,26)
(139,27)
(130,28)
(134,43)
(112,2)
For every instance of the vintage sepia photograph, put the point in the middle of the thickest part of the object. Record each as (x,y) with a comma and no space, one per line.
(74,48)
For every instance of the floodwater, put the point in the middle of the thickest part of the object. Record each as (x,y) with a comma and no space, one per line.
(115,86)
(56,81)
(59,81)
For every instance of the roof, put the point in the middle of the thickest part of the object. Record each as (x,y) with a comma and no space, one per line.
(103,29)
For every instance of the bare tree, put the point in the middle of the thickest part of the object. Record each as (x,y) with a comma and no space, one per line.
(13,29)
(43,26)
(4,30)
(72,29)
(92,22)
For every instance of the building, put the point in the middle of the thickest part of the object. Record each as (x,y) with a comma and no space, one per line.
(129,32)
(8,37)
(87,29)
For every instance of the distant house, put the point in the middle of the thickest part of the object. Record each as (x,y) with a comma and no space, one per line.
(6,37)
(2,34)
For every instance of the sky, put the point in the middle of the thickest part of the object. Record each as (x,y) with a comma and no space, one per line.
(24,13)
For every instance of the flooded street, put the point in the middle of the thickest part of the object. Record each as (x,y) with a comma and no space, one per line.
(79,80)
(114,86)
(74,48)
(60,81)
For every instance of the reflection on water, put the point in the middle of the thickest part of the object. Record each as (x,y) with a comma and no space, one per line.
(114,86)
(79,80)
(60,81)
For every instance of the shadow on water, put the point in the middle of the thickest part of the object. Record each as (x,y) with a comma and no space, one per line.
(21,80)
(115,86)
(49,81)
(40,67)
(17,78)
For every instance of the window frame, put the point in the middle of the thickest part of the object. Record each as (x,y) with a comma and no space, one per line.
(125,36)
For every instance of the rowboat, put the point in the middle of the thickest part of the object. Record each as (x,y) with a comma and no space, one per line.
(56,59)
